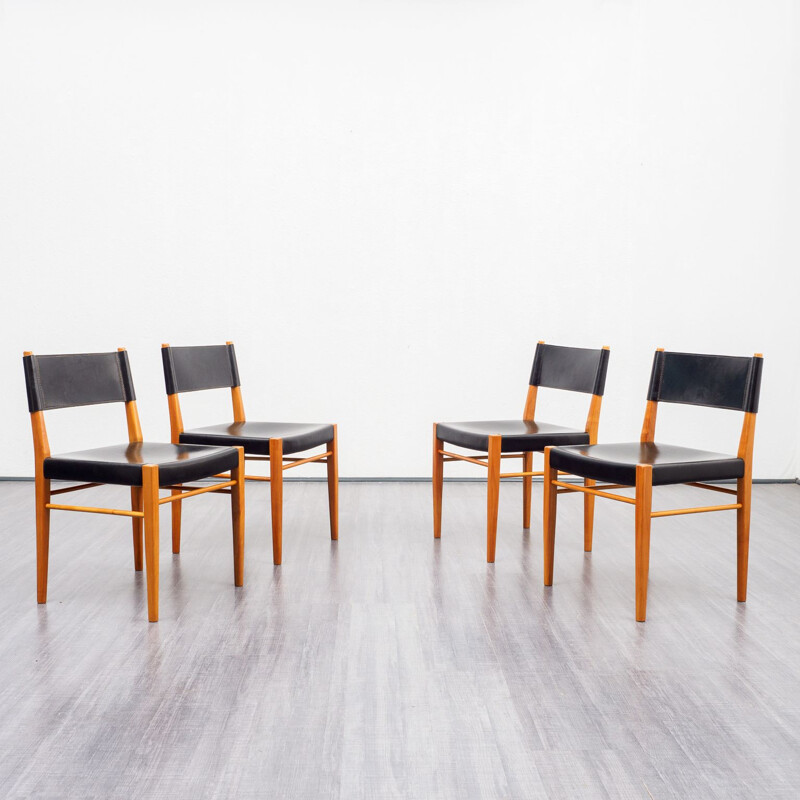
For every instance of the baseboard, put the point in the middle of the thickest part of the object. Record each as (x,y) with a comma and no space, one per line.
(568,479)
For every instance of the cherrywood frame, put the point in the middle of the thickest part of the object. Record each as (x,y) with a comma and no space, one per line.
(278,464)
(145,503)
(642,502)
(492,461)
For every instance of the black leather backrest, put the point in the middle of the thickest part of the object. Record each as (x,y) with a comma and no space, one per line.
(80,379)
(575,369)
(191,369)
(705,380)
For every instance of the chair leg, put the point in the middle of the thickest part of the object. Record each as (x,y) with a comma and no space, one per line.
(276,497)
(176,522)
(549,517)
(237,518)
(151,550)
(42,536)
(438,482)
(527,485)
(492,496)
(644,501)
(743,490)
(588,516)
(136,505)
(333,483)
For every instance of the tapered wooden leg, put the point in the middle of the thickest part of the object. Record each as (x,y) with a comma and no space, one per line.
(237,518)
(276,497)
(333,483)
(42,536)
(527,485)
(176,522)
(644,501)
(136,505)
(743,487)
(492,496)
(588,517)
(151,551)
(438,482)
(549,517)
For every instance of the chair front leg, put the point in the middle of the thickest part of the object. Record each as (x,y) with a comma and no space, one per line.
(176,522)
(527,486)
(438,483)
(492,496)
(588,516)
(136,505)
(644,502)
(333,483)
(549,517)
(276,497)
(151,550)
(743,492)
(42,536)
(237,518)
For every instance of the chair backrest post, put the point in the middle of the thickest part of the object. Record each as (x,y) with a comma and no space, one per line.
(650,414)
(747,439)
(593,417)
(236,398)
(132,416)
(529,412)
(41,445)
(175,416)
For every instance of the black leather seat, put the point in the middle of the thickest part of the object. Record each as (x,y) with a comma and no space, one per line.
(518,435)
(122,463)
(255,436)
(616,463)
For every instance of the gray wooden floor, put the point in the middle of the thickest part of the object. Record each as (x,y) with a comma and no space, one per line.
(389,665)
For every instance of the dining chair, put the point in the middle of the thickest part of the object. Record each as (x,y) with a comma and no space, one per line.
(70,380)
(196,368)
(724,382)
(571,369)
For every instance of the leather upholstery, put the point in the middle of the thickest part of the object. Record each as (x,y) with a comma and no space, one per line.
(616,463)
(122,463)
(706,380)
(519,436)
(575,369)
(79,379)
(255,436)
(192,369)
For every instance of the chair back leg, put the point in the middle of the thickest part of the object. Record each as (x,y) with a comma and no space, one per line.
(136,523)
(176,522)
(333,483)
(743,491)
(276,497)
(527,486)
(644,501)
(151,549)
(588,517)
(237,518)
(42,536)
(438,482)
(492,496)
(549,518)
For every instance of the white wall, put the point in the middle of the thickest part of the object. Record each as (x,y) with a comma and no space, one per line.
(385,204)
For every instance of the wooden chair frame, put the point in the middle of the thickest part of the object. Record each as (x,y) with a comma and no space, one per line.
(642,501)
(144,511)
(492,461)
(278,464)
